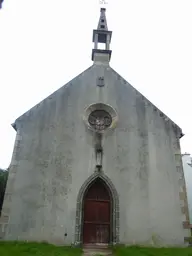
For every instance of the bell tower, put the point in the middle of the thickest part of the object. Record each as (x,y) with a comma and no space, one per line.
(102,35)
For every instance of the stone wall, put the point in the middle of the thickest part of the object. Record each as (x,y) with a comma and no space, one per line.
(141,158)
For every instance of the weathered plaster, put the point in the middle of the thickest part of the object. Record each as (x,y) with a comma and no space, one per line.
(57,155)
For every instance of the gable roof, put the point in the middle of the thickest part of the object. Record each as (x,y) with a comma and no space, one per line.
(21,119)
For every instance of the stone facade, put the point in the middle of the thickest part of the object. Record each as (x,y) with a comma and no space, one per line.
(55,159)
(54,155)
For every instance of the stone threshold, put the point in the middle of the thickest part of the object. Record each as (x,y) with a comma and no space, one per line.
(96,249)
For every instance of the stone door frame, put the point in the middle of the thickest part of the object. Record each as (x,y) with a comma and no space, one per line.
(114,211)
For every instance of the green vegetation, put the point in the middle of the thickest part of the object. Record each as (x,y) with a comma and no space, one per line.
(3,182)
(36,249)
(45,249)
(144,251)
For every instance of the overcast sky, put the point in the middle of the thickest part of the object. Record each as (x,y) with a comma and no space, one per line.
(45,43)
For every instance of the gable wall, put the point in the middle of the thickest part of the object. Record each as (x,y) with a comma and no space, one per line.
(56,155)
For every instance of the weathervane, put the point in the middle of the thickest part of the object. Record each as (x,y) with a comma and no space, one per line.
(102,1)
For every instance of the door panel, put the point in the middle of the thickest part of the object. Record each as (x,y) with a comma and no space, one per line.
(103,212)
(90,211)
(96,228)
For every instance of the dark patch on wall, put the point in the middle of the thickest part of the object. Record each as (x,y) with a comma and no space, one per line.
(143,151)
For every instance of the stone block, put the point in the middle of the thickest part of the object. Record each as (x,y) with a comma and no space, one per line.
(184,209)
(181,195)
(186,224)
(2,234)
(4,219)
(5,210)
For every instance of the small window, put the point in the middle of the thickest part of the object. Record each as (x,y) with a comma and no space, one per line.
(102,26)
(102,20)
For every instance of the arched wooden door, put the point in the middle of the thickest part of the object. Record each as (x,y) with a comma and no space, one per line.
(96,226)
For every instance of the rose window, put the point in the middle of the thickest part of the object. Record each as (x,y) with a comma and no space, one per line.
(100,119)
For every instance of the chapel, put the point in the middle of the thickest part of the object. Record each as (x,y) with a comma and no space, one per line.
(96,163)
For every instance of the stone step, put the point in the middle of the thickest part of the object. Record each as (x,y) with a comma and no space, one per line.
(100,246)
(96,251)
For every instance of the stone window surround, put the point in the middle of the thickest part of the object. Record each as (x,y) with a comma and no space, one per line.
(100,106)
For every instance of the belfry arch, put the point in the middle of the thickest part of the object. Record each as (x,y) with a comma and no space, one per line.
(114,209)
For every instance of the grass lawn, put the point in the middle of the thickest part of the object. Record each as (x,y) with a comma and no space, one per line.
(37,249)
(43,249)
(141,251)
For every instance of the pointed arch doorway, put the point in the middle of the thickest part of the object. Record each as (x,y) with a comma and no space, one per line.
(97,209)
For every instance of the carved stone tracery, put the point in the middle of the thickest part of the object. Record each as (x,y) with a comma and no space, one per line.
(100,119)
